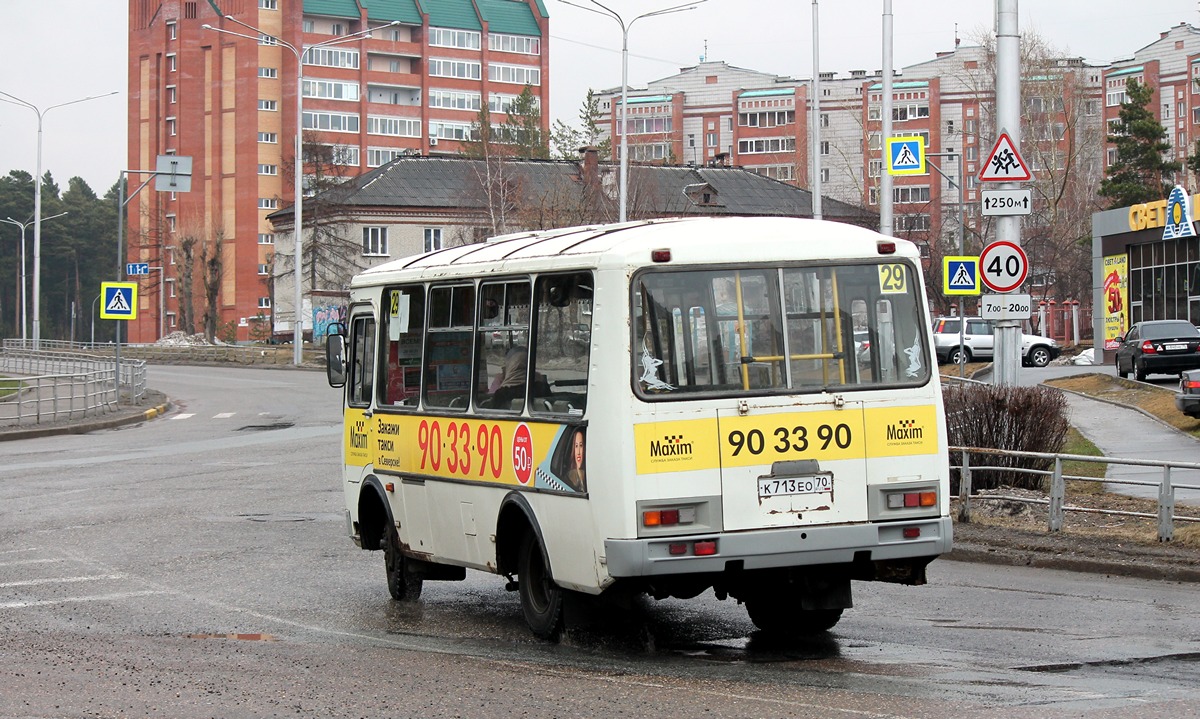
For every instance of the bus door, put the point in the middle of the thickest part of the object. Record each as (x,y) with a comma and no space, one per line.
(360,383)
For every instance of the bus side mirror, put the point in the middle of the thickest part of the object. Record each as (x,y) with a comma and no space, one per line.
(335,360)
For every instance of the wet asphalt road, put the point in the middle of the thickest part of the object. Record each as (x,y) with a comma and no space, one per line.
(197,566)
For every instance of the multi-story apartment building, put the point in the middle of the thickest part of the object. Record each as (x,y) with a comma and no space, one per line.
(1170,65)
(415,86)
(763,123)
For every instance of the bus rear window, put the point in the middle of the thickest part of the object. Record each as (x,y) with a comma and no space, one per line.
(785,329)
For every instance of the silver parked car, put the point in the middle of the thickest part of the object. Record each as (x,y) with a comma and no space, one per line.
(978,342)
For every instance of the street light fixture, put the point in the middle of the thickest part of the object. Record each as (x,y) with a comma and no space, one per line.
(298,207)
(37,202)
(609,12)
(23,225)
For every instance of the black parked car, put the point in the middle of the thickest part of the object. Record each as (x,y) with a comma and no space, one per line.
(1158,347)
(1187,399)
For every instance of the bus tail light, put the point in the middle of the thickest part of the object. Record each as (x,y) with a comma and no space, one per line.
(660,255)
(702,548)
(668,517)
(911,500)
(912,532)
(885,247)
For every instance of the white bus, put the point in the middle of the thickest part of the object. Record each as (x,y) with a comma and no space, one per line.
(744,404)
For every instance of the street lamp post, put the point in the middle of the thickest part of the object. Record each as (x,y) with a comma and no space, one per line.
(609,12)
(23,226)
(37,202)
(298,205)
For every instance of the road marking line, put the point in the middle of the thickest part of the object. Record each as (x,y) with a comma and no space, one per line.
(98,598)
(21,562)
(62,580)
(224,415)
(183,416)
(18,551)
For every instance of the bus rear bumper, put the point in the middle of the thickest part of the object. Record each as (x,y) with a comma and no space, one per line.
(778,548)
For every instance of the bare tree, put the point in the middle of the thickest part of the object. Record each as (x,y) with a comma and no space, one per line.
(213,267)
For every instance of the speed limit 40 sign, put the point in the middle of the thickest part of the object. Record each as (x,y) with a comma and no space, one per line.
(1003,266)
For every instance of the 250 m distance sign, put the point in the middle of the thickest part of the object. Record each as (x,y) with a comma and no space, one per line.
(1003,266)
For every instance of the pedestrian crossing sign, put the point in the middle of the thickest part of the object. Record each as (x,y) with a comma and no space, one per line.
(118,300)
(960,275)
(906,156)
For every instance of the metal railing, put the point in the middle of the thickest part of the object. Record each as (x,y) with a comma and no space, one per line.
(48,386)
(180,354)
(1056,499)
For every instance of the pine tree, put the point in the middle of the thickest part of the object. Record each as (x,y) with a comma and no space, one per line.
(523,127)
(1141,173)
(567,139)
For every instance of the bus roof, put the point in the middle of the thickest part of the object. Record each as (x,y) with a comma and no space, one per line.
(691,241)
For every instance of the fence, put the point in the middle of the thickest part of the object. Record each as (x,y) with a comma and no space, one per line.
(49,386)
(182,353)
(1056,498)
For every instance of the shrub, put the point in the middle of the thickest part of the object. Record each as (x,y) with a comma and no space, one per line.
(1027,419)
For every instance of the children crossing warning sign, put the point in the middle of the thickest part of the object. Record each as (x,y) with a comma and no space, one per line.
(118,300)
(1004,164)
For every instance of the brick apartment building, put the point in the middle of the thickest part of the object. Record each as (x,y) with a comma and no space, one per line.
(715,113)
(229,103)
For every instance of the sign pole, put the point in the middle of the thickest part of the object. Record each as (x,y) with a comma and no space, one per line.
(1008,227)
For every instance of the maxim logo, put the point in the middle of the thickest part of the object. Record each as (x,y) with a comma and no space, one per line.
(905,429)
(671,446)
(358,435)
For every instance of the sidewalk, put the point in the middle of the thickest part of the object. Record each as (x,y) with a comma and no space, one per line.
(153,404)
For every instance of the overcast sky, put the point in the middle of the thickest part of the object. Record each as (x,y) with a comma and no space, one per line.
(63,50)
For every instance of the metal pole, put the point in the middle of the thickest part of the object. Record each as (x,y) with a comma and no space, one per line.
(298,330)
(1008,118)
(885,179)
(37,240)
(120,277)
(623,212)
(24,292)
(815,118)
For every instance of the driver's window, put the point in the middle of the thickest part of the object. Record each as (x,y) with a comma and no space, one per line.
(362,360)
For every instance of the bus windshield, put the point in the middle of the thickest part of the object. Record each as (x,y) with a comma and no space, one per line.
(778,329)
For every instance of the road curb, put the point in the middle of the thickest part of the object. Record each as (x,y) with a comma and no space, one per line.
(121,418)
(1024,557)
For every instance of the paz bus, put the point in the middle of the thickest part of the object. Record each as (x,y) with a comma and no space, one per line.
(661,407)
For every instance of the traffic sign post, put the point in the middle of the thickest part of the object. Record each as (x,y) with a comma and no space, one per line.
(133,269)
(960,275)
(1006,307)
(1003,266)
(906,156)
(1006,202)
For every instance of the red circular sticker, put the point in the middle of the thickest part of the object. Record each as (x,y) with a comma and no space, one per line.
(522,454)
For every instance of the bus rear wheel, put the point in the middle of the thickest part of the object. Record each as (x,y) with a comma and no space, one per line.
(402,583)
(541,598)
(780,615)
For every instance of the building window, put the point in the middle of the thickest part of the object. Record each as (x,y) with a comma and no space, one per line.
(172,31)
(514,74)
(375,241)
(269,138)
(824,119)
(170,287)
(171,126)
(874,112)
(268,105)
(913,223)
(462,69)
(346,155)
(824,174)
(824,147)
(266,238)
(522,44)
(268,4)
(264,303)
(433,239)
(268,73)
(331,57)
(308,26)
(265,39)
(908,194)
(378,156)
(172,95)
(875,168)
(776,172)
(711,139)
(767,119)
(874,140)
(450,130)
(268,203)
(337,29)
(393,126)
(263,269)
(331,90)
(499,102)
(767,144)
(452,100)
(443,37)
(172,65)
(331,121)
(268,169)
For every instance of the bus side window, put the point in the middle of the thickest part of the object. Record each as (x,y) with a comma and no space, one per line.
(562,344)
(447,379)
(404,325)
(502,343)
(362,344)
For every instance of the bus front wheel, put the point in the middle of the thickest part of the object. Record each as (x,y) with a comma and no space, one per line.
(779,615)
(541,598)
(402,583)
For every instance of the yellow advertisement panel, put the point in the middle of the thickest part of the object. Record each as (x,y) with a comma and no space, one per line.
(517,453)
(1116,299)
(766,438)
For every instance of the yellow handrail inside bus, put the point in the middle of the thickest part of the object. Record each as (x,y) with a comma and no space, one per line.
(737,278)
